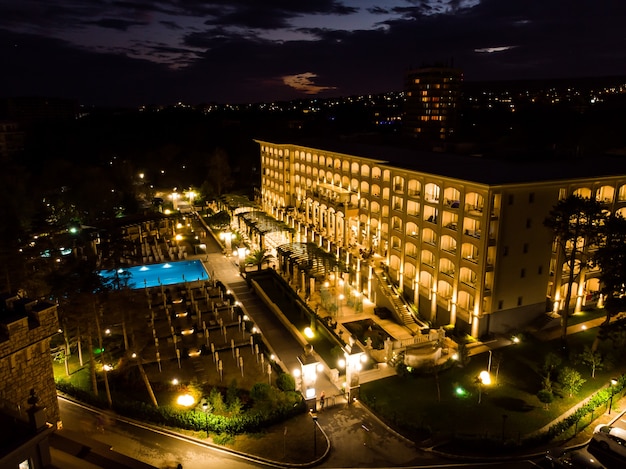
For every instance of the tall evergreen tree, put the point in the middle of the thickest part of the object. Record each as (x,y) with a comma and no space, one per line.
(611,259)
(576,224)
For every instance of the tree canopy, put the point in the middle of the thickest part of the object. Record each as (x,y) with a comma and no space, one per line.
(576,223)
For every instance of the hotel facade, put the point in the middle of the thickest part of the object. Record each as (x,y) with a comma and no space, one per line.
(461,238)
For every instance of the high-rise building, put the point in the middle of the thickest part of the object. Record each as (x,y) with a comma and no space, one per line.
(431,103)
(461,238)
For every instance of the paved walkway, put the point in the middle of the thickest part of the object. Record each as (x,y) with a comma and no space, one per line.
(358,437)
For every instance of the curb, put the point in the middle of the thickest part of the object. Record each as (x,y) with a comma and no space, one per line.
(218,448)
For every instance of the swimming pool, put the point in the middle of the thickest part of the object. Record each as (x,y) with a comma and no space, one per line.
(168,273)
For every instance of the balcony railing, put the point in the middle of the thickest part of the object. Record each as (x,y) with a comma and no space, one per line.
(473,233)
(474,209)
(338,203)
(451,203)
(469,282)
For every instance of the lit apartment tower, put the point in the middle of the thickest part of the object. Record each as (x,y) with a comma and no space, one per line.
(462,238)
(431,101)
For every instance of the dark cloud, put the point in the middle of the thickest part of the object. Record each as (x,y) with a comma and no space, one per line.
(50,67)
(171,25)
(258,17)
(378,10)
(114,23)
(241,54)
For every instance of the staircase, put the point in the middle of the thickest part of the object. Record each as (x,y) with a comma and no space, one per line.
(397,358)
(401,309)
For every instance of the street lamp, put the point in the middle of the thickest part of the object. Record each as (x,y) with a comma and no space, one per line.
(340,298)
(185,400)
(354,358)
(613,382)
(483,379)
(205,408)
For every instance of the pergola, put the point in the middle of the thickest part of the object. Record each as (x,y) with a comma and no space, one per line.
(261,223)
(236,202)
(309,258)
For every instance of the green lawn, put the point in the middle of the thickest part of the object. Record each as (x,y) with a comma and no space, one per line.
(586,315)
(411,402)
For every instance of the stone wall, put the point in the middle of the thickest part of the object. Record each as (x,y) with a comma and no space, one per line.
(25,360)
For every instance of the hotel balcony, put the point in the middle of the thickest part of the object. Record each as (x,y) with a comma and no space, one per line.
(470,282)
(473,233)
(449,249)
(339,201)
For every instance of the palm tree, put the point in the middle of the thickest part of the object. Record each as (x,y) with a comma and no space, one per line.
(258,258)
(576,224)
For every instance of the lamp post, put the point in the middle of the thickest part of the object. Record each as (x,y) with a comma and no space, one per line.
(205,408)
(613,382)
(340,299)
(483,379)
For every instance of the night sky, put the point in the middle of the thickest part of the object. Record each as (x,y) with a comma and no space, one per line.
(131,52)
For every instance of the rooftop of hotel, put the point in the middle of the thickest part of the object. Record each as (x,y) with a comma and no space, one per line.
(488,170)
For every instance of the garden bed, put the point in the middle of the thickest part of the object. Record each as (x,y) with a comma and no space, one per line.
(367,329)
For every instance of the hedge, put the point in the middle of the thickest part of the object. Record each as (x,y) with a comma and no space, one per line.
(170,416)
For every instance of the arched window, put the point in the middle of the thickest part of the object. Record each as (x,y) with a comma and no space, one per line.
(432,192)
(474,203)
(409,271)
(414,188)
(410,250)
(412,230)
(605,194)
(448,244)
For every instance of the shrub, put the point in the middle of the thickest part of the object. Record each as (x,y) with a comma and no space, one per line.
(260,391)
(286,382)
(546,397)
(570,380)
(216,401)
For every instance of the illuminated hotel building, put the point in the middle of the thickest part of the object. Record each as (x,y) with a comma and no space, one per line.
(462,238)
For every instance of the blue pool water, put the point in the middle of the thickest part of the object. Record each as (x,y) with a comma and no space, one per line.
(169,273)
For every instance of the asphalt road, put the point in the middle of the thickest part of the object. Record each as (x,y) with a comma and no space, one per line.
(159,449)
(353,446)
